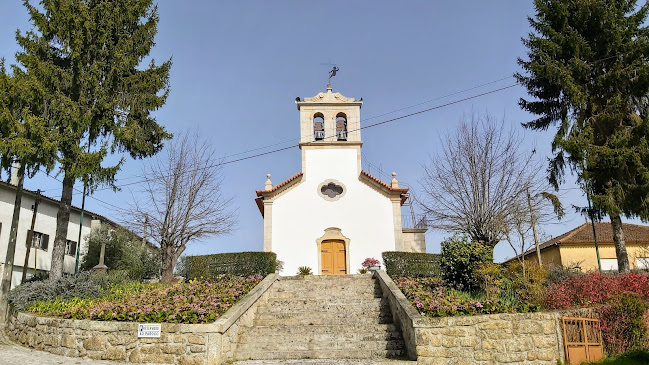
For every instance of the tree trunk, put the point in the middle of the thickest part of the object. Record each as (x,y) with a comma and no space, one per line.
(168,263)
(11,247)
(533,222)
(620,244)
(62,221)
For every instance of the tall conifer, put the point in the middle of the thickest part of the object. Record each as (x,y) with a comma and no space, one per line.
(588,72)
(86,56)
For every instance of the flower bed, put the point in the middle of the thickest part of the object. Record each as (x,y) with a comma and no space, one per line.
(194,302)
(432,299)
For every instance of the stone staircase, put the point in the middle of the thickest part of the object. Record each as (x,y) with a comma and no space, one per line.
(322,317)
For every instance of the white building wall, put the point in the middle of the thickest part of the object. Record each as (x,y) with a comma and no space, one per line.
(300,215)
(45,223)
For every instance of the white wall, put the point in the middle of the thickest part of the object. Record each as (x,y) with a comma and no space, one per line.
(301,215)
(45,223)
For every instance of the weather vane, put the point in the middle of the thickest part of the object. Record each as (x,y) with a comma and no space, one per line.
(333,71)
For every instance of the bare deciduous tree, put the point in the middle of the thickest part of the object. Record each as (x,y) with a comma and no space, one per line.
(477,180)
(182,200)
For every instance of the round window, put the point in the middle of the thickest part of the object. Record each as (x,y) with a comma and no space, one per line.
(331,190)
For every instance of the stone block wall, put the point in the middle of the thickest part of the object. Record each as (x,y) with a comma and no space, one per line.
(520,338)
(507,338)
(179,344)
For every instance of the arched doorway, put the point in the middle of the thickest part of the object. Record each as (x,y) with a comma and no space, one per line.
(333,253)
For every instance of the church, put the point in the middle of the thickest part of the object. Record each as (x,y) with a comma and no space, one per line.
(333,215)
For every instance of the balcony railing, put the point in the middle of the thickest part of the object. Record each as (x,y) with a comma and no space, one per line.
(410,221)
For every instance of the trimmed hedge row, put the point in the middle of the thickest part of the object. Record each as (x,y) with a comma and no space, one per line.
(411,264)
(228,264)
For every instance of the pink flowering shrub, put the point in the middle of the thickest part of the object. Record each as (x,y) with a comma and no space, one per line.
(595,288)
(432,299)
(194,302)
(369,262)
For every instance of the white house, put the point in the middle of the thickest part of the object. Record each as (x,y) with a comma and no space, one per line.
(40,255)
(333,215)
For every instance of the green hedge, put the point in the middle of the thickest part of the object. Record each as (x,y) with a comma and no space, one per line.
(411,264)
(229,264)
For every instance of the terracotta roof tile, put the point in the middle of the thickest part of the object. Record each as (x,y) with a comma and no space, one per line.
(280,185)
(633,233)
(385,185)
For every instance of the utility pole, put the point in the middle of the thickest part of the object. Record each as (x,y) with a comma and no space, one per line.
(83,205)
(5,286)
(592,222)
(30,238)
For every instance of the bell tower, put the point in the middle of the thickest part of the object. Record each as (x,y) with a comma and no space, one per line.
(329,119)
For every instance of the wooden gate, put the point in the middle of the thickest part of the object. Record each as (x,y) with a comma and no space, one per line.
(582,340)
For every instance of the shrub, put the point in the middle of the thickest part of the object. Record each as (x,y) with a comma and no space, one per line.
(460,259)
(228,264)
(123,251)
(595,288)
(433,299)
(622,323)
(304,270)
(369,262)
(558,274)
(410,264)
(85,285)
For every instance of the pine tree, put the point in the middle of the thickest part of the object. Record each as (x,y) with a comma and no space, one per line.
(588,72)
(86,56)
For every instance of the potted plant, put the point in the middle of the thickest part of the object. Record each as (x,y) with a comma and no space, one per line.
(371,264)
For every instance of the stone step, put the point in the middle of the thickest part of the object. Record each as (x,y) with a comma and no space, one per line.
(319,321)
(314,345)
(327,278)
(288,334)
(310,331)
(281,306)
(353,361)
(327,286)
(369,313)
(317,354)
(331,294)
(303,302)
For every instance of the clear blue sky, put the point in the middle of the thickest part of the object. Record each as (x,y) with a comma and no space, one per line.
(238,66)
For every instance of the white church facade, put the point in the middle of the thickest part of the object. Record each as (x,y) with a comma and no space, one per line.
(333,215)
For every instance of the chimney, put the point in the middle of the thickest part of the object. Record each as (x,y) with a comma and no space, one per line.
(15,167)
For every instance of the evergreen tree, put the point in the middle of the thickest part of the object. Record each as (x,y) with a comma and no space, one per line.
(25,137)
(588,73)
(86,56)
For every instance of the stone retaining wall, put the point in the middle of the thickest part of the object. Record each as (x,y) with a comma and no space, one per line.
(521,338)
(180,344)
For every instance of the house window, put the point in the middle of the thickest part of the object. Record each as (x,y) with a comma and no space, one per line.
(642,263)
(331,190)
(40,240)
(608,264)
(70,248)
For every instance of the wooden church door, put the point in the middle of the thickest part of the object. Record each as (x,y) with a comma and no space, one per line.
(333,257)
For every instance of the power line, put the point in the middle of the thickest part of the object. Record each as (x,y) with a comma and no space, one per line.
(293,146)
